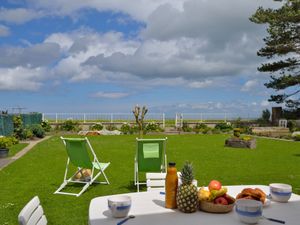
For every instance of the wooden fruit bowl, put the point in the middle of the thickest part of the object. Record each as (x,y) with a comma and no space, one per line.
(216,208)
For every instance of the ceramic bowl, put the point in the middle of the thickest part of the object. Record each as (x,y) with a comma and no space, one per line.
(119,205)
(280,192)
(249,211)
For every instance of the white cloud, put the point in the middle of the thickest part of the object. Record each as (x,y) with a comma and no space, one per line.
(250,85)
(4,31)
(265,103)
(113,95)
(201,84)
(32,56)
(19,15)
(21,78)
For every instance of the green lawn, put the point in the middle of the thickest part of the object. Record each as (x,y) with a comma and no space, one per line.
(41,171)
(16,148)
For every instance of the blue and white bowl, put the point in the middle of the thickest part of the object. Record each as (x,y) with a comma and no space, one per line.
(119,205)
(280,192)
(249,211)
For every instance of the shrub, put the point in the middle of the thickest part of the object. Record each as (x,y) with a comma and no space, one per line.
(125,128)
(224,127)
(6,142)
(134,129)
(237,132)
(45,125)
(111,127)
(18,127)
(185,127)
(70,125)
(97,126)
(201,128)
(297,137)
(27,134)
(38,130)
(292,125)
(152,126)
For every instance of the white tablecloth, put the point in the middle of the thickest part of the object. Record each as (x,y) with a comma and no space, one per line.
(149,208)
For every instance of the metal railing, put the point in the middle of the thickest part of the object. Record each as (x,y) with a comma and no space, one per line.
(208,117)
(103,117)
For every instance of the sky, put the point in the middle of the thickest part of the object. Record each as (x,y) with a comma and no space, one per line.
(173,56)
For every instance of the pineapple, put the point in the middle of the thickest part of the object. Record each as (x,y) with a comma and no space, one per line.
(187,194)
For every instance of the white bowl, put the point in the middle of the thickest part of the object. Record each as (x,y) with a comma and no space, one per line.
(280,192)
(119,205)
(249,211)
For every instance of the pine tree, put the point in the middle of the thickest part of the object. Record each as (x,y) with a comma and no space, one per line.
(282,48)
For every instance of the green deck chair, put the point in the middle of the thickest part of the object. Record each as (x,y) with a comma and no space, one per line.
(150,157)
(78,155)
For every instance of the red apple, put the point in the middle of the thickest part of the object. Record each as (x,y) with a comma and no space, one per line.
(214,185)
(221,200)
(229,199)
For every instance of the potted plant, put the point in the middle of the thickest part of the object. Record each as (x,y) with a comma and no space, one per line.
(5,142)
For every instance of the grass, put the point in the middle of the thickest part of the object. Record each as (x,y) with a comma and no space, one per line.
(40,171)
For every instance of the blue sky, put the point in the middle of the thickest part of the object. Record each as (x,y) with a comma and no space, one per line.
(109,55)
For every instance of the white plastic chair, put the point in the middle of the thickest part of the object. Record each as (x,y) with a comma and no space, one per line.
(156,181)
(32,213)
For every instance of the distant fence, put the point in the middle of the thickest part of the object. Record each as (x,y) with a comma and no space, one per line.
(103,117)
(207,117)
(7,124)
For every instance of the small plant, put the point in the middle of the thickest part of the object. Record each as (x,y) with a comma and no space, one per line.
(45,125)
(201,128)
(111,127)
(18,127)
(97,126)
(223,127)
(70,125)
(6,142)
(292,125)
(185,127)
(237,132)
(37,130)
(152,126)
(125,128)
(297,137)
(27,134)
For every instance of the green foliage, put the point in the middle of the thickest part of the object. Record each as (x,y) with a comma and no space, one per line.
(266,115)
(69,125)
(38,130)
(27,133)
(264,120)
(125,128)
(292,125)
(223,127)
(185,127)
(297,137)
(97,126)
(46,125)
(201,128)
(111,127)
(282,43)
(18,127)
(153,127)
(237,132)
(6,142)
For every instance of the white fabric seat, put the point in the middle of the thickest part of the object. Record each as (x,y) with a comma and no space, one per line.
(32,213)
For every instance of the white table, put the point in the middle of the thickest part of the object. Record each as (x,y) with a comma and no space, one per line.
(149,208)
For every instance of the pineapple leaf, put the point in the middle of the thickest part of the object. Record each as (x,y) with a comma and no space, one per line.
(187,175)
